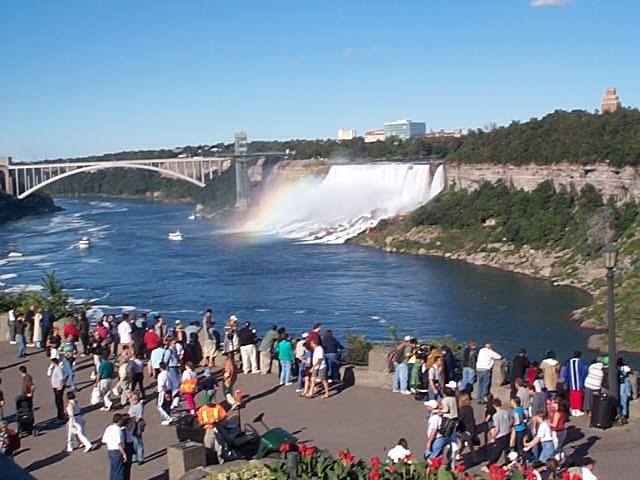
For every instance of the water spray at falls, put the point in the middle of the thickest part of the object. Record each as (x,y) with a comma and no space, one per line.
(350,199)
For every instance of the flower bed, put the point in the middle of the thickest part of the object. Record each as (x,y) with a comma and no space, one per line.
(307,462)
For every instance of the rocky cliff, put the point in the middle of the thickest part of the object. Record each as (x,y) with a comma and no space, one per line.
(621,183)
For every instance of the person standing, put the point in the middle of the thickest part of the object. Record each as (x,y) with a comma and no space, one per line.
(247,340)
(137,365)
(318,370)
(469,360)
(266,349)
(163,389)
(212,340)
(543,438)
(576,375)
(435,440)
(19,330)
(209,415)
(57,385)
(174,369)
(500,433)
(136,410)
(188,386)
(37,329)
(48,318)
(11,320)
(103,381)
(75,424)
(436,378)
(303,361)
(28,388)
(551,370)
(29,319)
(113,439)
(229,379)
(519,426)
(68,354)
(151,341)
(83,329)
(286,357)
(401,368)
(593,383)
(331,348)
(486,358)
(124,331)
(231,335)
(519,367)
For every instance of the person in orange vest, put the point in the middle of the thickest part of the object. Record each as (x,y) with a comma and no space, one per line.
(209,415)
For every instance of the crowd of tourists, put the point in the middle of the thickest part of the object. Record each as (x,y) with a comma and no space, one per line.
(131,353)
(530,429)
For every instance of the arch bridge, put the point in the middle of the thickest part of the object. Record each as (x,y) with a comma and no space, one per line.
(22,179)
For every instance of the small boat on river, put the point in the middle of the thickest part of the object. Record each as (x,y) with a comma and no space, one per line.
(176,236)
(14,254)
(84,243)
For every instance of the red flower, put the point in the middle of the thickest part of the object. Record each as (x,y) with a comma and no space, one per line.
(374,475)
(375,462)
(285,447)
(437,462)
(459,469)
(346,456)
(391,469)
(407,458)
(566,475)
(309,451)
(341,454)
(302,448)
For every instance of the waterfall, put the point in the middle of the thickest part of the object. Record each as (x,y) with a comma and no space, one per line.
(350,199)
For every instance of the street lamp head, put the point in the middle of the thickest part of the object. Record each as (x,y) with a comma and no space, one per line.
(610,255)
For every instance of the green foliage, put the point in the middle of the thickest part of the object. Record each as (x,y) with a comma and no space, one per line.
(252,470)
(12,209)
(542,218)
(52,296)
(576,137)
(357,351)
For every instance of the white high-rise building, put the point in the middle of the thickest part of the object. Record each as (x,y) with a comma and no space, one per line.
(346,134)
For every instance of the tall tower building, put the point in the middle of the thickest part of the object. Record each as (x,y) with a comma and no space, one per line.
(610,101)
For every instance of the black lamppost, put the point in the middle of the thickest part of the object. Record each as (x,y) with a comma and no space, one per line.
(610,255)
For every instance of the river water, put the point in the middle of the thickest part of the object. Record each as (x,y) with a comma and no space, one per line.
(131,264)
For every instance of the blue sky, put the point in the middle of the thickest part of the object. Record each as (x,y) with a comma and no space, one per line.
(89,77)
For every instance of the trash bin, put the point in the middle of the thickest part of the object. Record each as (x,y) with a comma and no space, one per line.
(603,411)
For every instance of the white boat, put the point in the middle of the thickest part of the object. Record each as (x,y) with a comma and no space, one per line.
(192,216)
(84,242)
(14,254)
(175,235)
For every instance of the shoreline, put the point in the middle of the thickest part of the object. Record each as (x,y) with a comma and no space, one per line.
(507,260)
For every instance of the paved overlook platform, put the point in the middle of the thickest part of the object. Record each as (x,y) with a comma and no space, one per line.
(368,421)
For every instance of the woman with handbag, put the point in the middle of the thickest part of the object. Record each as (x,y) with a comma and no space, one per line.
(75,424)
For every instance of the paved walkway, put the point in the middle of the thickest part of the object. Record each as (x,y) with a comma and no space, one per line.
(367,421)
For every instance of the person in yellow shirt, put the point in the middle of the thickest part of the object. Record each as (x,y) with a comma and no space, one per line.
(209,415)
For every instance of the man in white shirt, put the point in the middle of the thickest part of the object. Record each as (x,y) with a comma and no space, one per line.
(484,364)
(318,370)
(587,469)
(435,440)
(164,385)
(57,384)
(399,452)
(124,332)
(112,438)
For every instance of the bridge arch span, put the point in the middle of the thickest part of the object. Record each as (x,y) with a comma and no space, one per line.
(104,166)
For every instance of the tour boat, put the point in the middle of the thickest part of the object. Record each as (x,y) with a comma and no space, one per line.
(84,242)
(14,254)
(175,235)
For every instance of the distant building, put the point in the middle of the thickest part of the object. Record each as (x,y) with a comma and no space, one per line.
(404,129)
(346,134)
(610,101)
(442,133)
(374,136)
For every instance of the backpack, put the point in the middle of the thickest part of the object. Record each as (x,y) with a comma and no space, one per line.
(448,426)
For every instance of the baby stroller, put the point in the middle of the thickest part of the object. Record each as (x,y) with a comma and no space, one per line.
(25,417)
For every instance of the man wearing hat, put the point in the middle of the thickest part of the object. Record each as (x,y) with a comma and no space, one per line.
(435,440)
(400,358)
(209,415)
